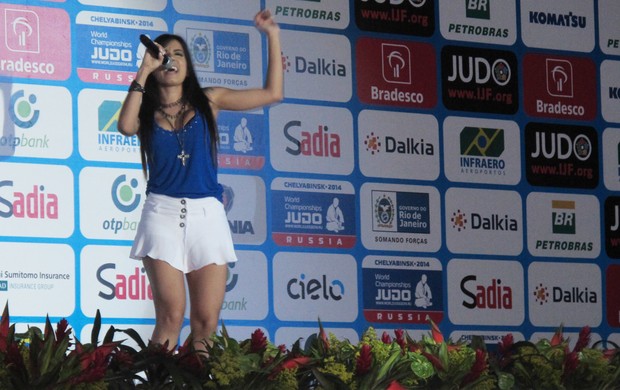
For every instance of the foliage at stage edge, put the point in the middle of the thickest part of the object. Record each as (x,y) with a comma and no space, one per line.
(54,359)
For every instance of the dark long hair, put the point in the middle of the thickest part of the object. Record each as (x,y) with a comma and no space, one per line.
(192,93)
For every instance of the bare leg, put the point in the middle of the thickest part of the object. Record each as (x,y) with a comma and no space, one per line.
(168,288)
(207,287)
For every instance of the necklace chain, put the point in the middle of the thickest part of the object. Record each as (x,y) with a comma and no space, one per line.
(173,104)
(172,120)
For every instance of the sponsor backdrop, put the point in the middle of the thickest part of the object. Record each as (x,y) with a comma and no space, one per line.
(453,160)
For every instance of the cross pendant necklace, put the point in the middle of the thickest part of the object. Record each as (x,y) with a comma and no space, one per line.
(172,119)
(183,157)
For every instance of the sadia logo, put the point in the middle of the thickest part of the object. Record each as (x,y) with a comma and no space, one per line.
(478,9)
(495,295)
(315,289)
(319,143)
(23,110)
(481,81)
(124,194)
(118,286)
(563,217)
(35,204)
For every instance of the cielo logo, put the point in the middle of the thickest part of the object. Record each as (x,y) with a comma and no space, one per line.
(303,288)
(37,203)
(493,295)
(23,110)
(319,143)
(119,286)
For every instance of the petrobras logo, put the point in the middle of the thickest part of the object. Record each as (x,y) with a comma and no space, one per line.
(112,51)
(395,217)
(565,292)
(558,96)
(244,201)
(319,68)
(486,21)
(610,90)
(36,275)
(316,13)
(482,150)
(312,139)
(223,54)
(143,5)
(477,219)
(36,200)
(113,283)
(402,290)
(110,202)
(406,70)
(559,25)
(247,291)
(99,138)
(313,213)
(35,44)
(313,285)
(490,291)
(563,225)
(389,143)
(38,121)
(609,36)
(411,17)
(479,80)
(561,155)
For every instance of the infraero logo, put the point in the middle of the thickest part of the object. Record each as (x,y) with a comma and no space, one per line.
(124,195)
(22,109)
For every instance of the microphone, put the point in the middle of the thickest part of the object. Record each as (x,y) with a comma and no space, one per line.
(150,45)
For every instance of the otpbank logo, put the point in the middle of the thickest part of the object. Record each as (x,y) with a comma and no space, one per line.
(563,225)
(35,42)
(479,80)
(561,155)
(559,87)
(36,200)
(410,17)
(396,73)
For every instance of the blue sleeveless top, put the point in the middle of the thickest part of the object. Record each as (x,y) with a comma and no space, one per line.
(168,176)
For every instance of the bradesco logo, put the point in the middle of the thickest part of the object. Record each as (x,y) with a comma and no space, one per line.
(559,87)
(412,17)
(561,155)
(479,80)
(407,72)
(35,44)
(612,227)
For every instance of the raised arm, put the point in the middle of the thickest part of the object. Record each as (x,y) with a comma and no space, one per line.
(272,92)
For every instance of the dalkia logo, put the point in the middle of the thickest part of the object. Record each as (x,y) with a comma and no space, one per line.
(315,289)
(391,144)
(35,204)
(557,294)
(495,222)
(493,296)
(318,143)
(134,287)
(319,66)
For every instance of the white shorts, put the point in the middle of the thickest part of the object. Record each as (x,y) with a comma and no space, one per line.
(186,233)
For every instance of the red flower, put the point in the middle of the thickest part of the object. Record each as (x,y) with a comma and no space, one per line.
(61,330)
(571,362)
(364,361)
(557,338)
(478,368)
(395,386)
(258,341)
(583,340)
(400,338)
(436,333)
(386,338)
(505,345)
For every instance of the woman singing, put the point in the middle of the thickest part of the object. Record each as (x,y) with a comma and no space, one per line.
(183,233)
